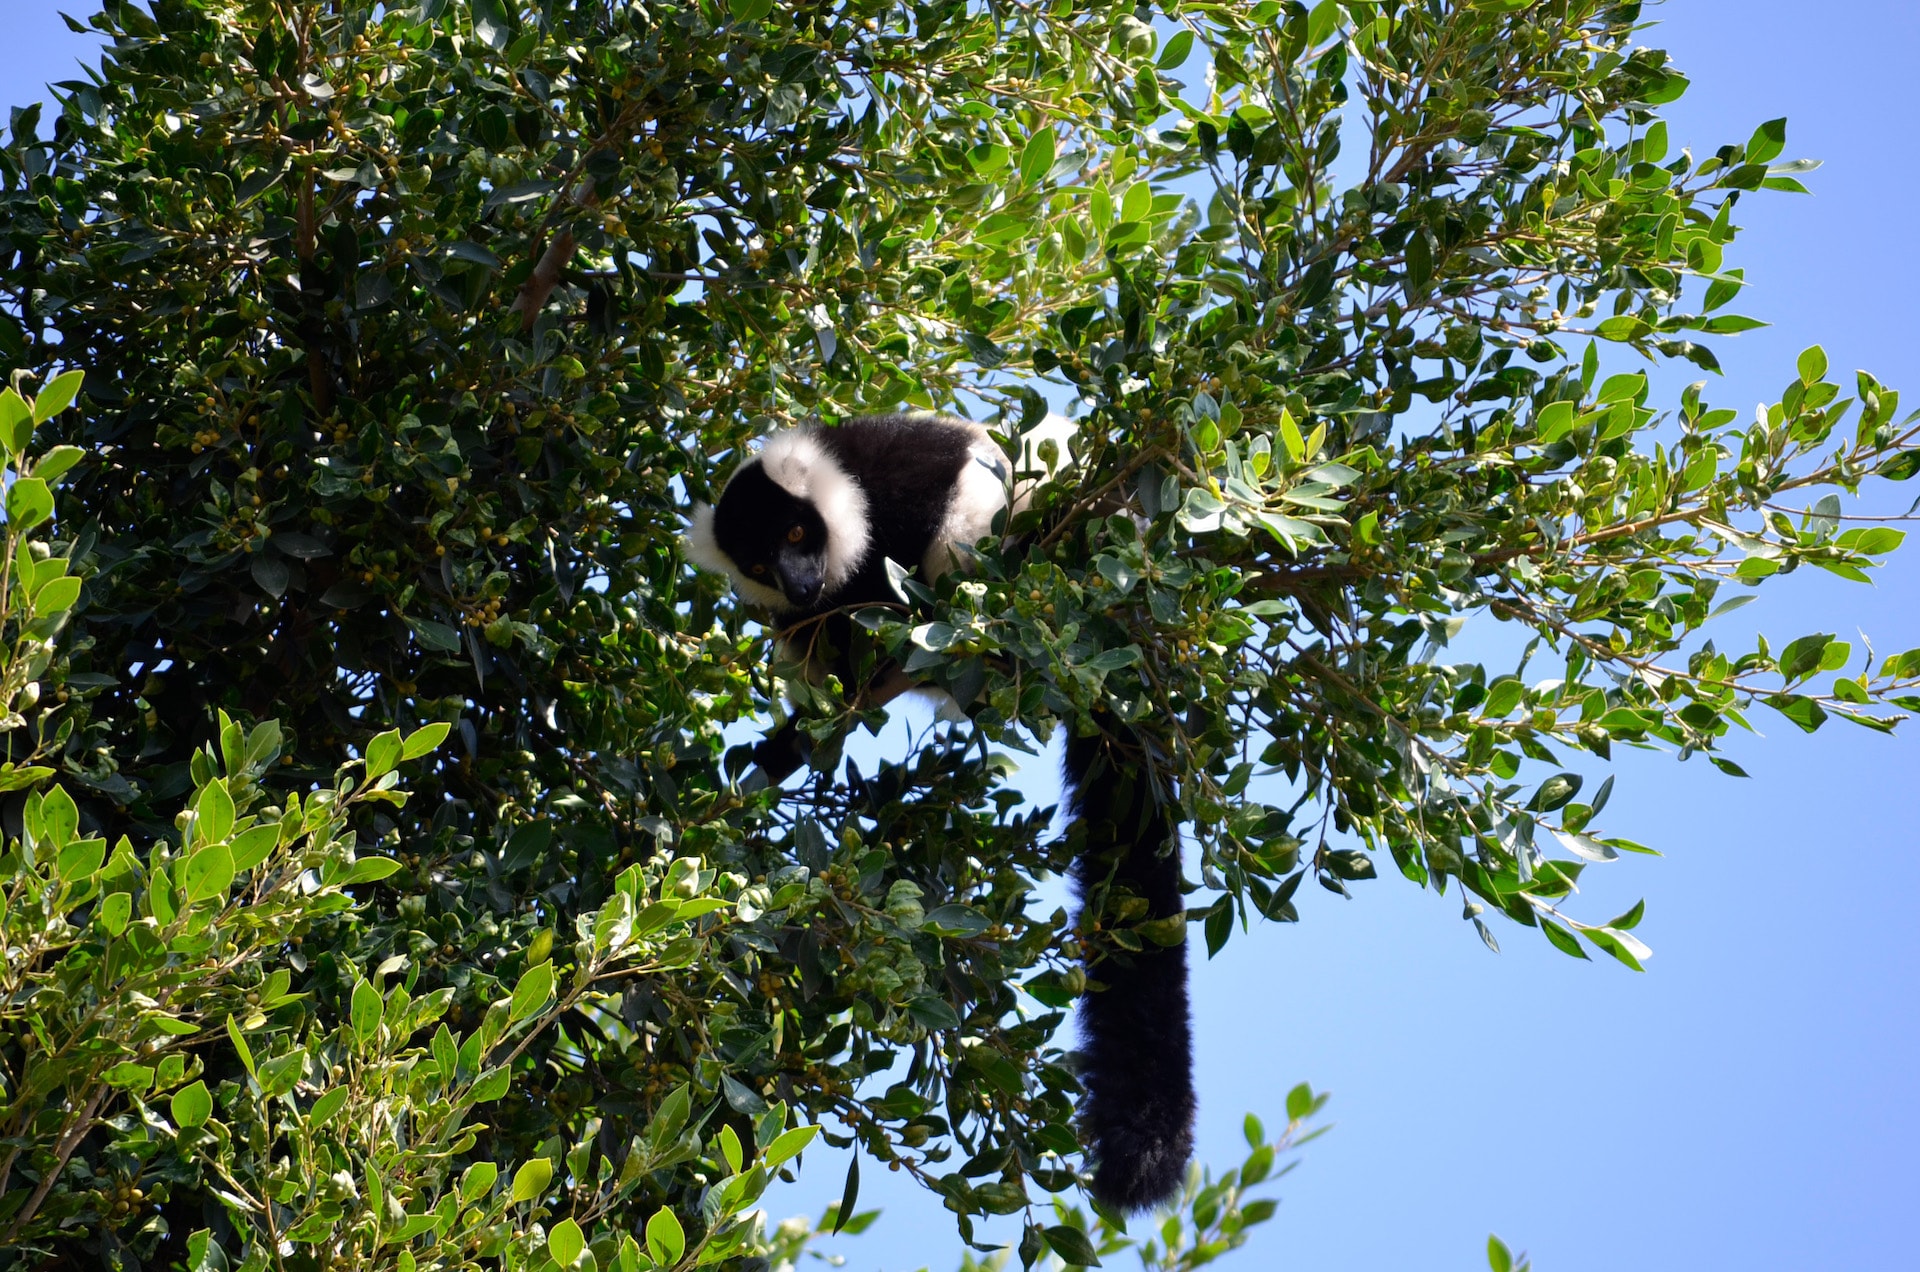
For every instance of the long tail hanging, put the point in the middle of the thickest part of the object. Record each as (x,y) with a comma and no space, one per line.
(1136,1039)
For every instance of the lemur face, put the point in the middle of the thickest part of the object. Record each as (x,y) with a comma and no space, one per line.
(775,543)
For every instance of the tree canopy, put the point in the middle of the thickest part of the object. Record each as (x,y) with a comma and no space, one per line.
(409,333)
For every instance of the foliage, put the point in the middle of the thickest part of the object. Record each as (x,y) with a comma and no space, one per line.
(1210,1217)
(412,329)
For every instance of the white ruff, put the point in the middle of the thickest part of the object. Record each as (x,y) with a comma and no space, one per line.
(699,546)
(799,465)
(979,494)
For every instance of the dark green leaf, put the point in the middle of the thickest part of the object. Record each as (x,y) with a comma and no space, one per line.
(849,1194)
(1072,1246)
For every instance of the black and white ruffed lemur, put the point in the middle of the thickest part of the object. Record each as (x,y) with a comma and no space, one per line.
(805,528)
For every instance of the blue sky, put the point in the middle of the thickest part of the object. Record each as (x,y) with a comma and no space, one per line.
(1750,1101)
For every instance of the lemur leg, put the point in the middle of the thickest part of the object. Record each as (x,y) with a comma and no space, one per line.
(782,754)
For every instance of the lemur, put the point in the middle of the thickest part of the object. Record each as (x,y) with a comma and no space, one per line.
(805,529)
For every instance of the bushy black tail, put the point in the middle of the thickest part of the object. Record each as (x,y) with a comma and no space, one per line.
(1136,1041)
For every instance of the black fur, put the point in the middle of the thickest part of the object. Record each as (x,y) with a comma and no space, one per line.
(1136,1038)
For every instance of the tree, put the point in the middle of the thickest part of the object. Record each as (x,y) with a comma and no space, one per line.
(409,333)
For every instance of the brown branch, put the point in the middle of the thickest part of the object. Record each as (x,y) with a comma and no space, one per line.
(305,231)
(1284,580)
(68,1142)
(544,278)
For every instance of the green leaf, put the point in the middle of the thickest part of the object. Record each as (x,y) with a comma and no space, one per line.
(1350,863)
(1631,918)
(128,1076)
(1813,362)
(1562,940)
(251,847)
(530,994)
(730,1150)
(326,1106)
(788,1144)
(172,1026)
(57,396)
(849,1194)
(1290,437)
(934,1012)
(280,1074)
(56,597)
(477,1181)
(1177,48)
(1805,712)
(53,465)
(435,637)
(1622,327)
(955,920)
(565,1241)
(491,24)
(191,1105)
(1586,847)
(1554,792)
(1768,140)
(238,1038)
(1322,21)
(1114,659)
(490,1086)
(79,859)
(383,752)
(666,1240)
(1624,948)
(667,1120)
(531,1180)
(1553,422)
(1801,658)
(1499,1258)
(1072,1245)
(369,870)
(16,422)
(1724,288)
(115,911)
(1036,159)
(366,1011)
(29,503)
(1874,540)
(988,158)
(214,811)
(208,873)
(424,739)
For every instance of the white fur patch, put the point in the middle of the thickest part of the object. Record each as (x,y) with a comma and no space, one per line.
(799,465)
(700,547)
(979,494)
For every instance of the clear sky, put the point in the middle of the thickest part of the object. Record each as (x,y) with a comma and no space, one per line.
(1751,1101)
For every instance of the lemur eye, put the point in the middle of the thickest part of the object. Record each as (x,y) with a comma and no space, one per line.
(796,534)
(758,569)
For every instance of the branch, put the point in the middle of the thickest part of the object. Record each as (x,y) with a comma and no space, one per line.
(544,278)
(70,1141)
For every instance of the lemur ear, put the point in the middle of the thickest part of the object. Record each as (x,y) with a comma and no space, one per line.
(698,544)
